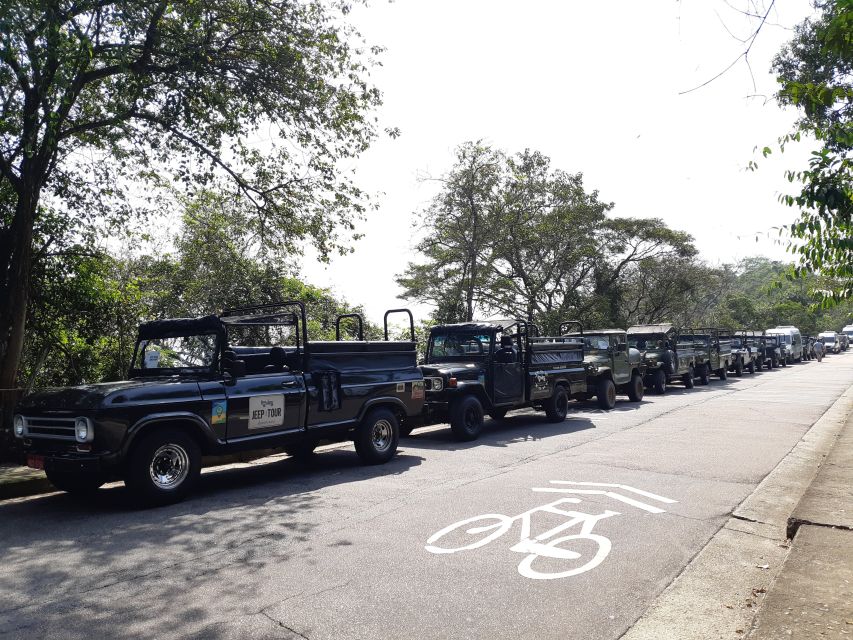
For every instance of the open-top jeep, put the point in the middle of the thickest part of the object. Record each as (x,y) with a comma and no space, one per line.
(713,353)
(743,356)
(772,351)
(477,368)
(612,365)
(246,380)
(665,357)
(753,341)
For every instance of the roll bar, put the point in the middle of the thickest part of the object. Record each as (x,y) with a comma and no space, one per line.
(242,316)
(568,323)
(354,316)
(411,321)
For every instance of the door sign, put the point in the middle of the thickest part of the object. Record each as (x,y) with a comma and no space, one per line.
(266,411)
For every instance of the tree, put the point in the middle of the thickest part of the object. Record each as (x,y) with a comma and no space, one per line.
(458,227)
(154,91)
(815,71)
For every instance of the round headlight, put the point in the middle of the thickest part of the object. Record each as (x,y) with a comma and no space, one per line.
(82,430)
(19,426)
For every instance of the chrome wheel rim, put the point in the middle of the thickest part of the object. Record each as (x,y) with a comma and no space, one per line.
(382,435)
(169,467)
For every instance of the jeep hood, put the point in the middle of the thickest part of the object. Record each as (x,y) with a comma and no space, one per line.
(456,369)
(89,397)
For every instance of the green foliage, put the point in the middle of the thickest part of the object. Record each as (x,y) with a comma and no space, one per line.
(815,72)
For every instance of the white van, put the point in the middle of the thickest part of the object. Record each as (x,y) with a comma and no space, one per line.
(830,341)
(792,342)
(848,331)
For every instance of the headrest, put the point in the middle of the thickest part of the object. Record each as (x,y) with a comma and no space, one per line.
(229,355)
(506,341)
(277,355)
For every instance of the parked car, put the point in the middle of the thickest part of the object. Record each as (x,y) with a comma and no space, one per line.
(772,350)
(743,355)
(478,368)
(830,341)
(665,358)
(791,343)
(844,341)
(713,352)
(248,379)
(613,367)
(808,347)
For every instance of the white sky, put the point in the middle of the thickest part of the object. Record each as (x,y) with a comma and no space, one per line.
(594,86)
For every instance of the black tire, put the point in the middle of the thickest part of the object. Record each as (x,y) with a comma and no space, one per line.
(301,451)
(466,418)
(557,406)
(774,363)
(498,414)
(751,366)
(758,364)
(76,483)
(377,436)
(739,368)
(659,382)
(605,394)
(783,362)
(688,377)
(704,374)
(723,373)
(174,457)
(636,389)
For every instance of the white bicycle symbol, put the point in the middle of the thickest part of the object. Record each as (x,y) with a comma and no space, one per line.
(549,544)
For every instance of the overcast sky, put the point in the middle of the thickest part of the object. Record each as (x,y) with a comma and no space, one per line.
(593,85)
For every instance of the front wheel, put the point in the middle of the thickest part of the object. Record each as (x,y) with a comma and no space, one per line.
(739,368)
(377,436)
(689,376)
(163,467)
(635,388)
(751,367)
(606,394)
(466,418)
(76,483)
(704,374)
(783,362)
(557,406)
(723,373)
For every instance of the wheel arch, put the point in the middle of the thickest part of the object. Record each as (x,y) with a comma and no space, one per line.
(190,423)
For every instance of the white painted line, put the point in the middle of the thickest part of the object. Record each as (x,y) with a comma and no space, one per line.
(611,494)
(624,487)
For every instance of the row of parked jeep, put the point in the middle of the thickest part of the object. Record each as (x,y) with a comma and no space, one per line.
(251,379)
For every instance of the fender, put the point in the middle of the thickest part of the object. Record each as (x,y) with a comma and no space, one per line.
(383,400)
(172,416)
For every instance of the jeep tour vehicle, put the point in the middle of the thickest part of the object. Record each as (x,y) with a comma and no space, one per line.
(753,341)
(808,347)
(790,342)
(478,368)
(713,352)
(612,365)
(844,341)
(248,379)
(666,359)
(743,357)
(773,351)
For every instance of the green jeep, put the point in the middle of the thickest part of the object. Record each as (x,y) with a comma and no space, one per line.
(665,357)
(713,353)
(612,365)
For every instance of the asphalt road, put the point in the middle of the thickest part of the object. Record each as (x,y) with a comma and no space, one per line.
(336,550)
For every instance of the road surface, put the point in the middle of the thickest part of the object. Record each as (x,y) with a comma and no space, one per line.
(585,523)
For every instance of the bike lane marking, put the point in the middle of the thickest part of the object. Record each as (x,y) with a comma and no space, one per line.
(546,544)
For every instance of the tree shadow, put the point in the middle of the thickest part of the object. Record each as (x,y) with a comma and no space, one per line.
(101,568)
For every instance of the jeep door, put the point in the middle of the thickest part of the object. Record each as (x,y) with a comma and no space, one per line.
(507,376)
(620,365)
(265,403)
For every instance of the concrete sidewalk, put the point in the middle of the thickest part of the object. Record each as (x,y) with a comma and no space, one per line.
(812,596)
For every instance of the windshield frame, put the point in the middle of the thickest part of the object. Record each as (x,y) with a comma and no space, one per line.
(488,349)
(212,368)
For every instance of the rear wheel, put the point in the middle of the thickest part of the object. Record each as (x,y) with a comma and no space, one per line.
(498,414)
(466,418)
(557,406)
(688,377)
(163,467)
(75,482)
(377,436)
(606,394)
(659,382)
(635,388)
(704,374)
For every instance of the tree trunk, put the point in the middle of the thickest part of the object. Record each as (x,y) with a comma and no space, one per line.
(15,291)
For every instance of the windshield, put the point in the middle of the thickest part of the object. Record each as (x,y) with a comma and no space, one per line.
(736,342)
(783,338)
(459,344)
(644,342)
(184,352)
(827,337)
(596,343)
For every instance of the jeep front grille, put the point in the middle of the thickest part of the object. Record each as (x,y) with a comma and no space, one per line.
(52,428)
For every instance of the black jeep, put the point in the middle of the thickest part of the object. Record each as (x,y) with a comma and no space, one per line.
(477,368)
(246,380)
